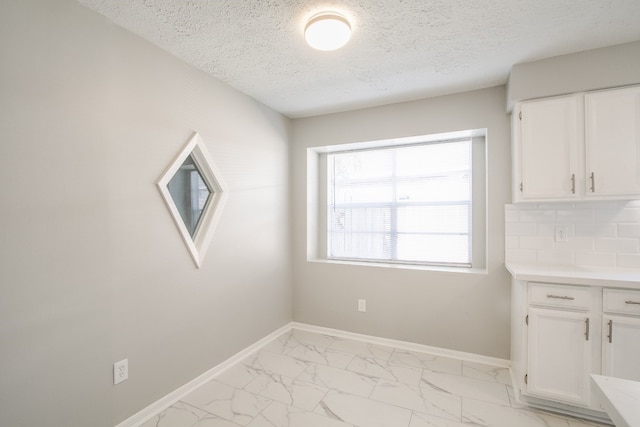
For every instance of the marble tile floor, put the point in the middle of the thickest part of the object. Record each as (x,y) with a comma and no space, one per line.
(305,379)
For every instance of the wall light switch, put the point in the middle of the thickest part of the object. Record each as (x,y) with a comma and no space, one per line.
(362,305)
(120,371)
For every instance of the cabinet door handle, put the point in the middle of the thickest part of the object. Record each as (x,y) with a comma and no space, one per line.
(610,336)
(593,182)
(586,332)
(632,302)
(560,297)
(573,183)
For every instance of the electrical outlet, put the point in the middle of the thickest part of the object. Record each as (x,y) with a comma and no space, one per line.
(362,305)
(120,371)
(561,233)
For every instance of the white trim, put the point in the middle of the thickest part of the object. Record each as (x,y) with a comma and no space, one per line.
(461,270)
(317,198)
(564,409)
(211,215)
(418,139)
(405,345)
(163,403)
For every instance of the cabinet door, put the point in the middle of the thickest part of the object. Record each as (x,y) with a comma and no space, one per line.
(621,347)
(559,361)
(612,136)
(550,141)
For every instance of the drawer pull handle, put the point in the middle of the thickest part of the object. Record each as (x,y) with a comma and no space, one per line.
(632,302)
(560,297)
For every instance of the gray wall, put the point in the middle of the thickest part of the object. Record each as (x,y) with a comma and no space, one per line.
(577,72)
(465,312)
(92,267)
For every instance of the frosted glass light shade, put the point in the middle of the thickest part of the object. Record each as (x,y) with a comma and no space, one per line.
(327,31)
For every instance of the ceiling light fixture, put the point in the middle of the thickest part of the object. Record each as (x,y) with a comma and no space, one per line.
(327,31)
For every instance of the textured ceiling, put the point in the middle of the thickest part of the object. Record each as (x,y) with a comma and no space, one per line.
(400,50)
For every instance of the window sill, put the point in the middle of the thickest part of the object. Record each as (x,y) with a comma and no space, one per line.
(459,270)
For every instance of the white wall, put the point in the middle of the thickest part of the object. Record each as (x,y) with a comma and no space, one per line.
(465,312)
(92,268)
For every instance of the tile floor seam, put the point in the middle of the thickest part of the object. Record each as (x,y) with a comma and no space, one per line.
(207,412)
(405,408)
(260,413)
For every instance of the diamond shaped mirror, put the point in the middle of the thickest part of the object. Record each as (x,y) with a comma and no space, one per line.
(195,194)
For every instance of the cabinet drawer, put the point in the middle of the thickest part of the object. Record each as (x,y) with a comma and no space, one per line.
(623,301)
(550,295)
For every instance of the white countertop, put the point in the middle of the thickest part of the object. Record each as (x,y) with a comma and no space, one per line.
(574,275)
(620,398)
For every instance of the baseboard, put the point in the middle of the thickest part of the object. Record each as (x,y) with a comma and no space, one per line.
(562,409)
(406,345)
(163,403)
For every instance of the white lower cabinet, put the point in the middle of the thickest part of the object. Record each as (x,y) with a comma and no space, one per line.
(621,334)
(621,347)
(559,355)
(561,334)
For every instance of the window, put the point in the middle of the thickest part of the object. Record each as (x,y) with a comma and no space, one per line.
(195,194)
(190,194)
(378,212)
(407,204)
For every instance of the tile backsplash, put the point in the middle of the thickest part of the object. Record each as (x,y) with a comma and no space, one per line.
(600,234)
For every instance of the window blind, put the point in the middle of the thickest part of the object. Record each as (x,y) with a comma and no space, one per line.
(408,204)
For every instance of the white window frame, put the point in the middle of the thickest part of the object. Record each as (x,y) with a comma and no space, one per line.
(210,216)
(317,200)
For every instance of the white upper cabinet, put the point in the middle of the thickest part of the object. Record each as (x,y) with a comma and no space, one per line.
(612,136)
(550,143)
(577,147)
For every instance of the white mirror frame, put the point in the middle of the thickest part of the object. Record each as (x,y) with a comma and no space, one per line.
(199,244)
